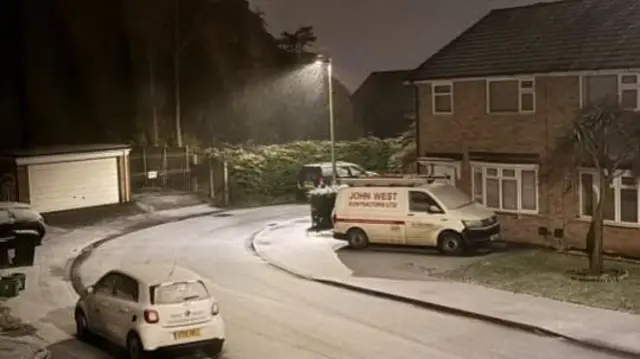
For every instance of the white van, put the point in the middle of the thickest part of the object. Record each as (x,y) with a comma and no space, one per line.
(417,212)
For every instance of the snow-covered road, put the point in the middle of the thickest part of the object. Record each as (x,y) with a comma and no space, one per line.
(273,315)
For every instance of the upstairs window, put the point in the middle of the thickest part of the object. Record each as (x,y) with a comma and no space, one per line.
(629,94)
(624,88)
(599,88)
(511,96)
(442,98)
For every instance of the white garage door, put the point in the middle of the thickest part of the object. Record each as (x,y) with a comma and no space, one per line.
(69,185)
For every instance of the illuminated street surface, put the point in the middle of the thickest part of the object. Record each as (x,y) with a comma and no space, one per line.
(273,315)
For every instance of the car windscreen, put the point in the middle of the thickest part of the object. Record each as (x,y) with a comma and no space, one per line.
(327,171)
(177,292)
(450,196)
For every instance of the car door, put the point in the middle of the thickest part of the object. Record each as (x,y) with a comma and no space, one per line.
(98,303)
(124,308)
(424,220)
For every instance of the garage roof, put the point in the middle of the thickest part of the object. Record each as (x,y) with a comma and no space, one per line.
(63,149)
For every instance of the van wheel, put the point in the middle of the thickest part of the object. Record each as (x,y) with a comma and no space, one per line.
(357,238)
(451,243)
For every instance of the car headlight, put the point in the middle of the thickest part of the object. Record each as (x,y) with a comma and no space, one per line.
(215,309)
(472,224)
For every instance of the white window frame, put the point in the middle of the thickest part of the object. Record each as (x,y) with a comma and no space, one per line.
(521,91)
(434,95)
(621,86)
(635,87)
(518,168)
(617,205)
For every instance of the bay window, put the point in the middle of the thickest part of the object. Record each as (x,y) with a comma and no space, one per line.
(506,188)
(622,201)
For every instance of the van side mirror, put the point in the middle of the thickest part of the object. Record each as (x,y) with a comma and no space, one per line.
(434,209)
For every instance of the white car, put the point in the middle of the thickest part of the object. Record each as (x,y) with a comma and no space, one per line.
(147,307)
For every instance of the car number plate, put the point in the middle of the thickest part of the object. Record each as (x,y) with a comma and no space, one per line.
(185,334)
(494,237)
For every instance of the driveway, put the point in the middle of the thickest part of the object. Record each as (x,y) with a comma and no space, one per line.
(271,314)
(392,262)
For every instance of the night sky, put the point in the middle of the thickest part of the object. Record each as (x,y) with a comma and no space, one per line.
(371,35)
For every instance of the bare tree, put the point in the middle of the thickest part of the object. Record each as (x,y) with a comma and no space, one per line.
(606,137)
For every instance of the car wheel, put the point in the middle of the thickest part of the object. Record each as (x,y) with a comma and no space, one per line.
(82,326)
(451,243)
(135,350)
(213,348)
(357,238)
(41,232)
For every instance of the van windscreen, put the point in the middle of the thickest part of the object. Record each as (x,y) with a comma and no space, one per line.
(450,196)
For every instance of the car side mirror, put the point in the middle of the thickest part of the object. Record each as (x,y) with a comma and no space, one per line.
(434,209)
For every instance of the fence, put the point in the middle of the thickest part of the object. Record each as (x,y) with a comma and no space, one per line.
(179,168)
(160,167)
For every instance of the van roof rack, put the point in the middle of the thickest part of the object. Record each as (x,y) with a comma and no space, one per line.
(405,181)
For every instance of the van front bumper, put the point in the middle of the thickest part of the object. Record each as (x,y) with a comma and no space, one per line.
(477,236)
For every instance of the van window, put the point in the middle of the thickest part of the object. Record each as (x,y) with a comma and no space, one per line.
(420,202)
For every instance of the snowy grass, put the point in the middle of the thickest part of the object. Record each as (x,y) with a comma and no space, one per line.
(544,273)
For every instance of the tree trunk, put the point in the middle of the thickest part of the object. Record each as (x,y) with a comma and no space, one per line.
(595,257)
(152,97)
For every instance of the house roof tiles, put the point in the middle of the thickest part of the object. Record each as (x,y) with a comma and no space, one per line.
(570,35)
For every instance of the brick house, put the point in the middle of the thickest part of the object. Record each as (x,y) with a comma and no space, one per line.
(493,103)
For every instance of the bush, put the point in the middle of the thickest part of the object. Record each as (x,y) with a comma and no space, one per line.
(322,202)
(267,173)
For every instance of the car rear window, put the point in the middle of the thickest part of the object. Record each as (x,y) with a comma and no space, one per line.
(177,292)
(309,173)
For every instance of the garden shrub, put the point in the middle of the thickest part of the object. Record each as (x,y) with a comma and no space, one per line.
(265,173)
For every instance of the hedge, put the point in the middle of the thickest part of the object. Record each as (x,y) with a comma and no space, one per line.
(264,173)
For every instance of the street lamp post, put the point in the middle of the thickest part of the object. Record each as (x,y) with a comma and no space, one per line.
(332,130)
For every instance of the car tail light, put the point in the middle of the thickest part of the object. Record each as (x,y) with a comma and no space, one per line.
(151,316)
(321,182)
(215,309)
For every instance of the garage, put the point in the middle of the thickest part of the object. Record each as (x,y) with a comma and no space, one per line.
(71,177)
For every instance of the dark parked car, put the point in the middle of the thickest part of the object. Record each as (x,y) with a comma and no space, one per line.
(319,174)
(17,217)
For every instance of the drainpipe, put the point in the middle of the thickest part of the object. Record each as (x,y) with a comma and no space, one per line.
(416,111)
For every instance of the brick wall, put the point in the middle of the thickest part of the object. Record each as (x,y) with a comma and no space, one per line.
(471,129)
